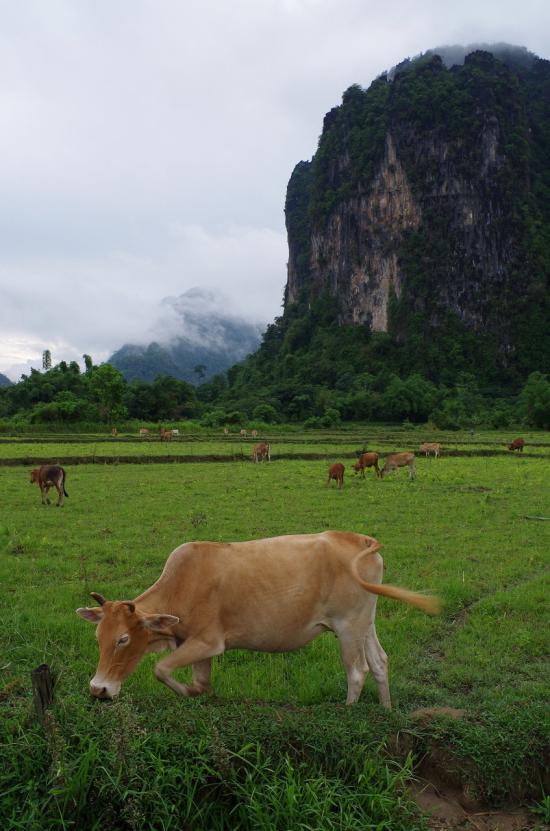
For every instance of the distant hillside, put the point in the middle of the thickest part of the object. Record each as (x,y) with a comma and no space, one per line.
(196,341)
(5,381)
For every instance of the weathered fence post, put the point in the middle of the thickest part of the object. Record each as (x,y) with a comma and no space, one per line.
(42,689)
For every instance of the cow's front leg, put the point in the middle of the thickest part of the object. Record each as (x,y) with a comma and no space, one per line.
(44,492)
(197,652)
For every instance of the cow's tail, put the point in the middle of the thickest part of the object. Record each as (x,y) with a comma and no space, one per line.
(64,491)
(427,602)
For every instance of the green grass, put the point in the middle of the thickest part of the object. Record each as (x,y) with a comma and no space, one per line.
(276,733)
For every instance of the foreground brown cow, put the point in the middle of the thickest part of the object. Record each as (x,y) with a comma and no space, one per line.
(517,444)
(261,451)
(270,595)
(397,460)
(336,472)
(430,447)
(48,476)
(366,460)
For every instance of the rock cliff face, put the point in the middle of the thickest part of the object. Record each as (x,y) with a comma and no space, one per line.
(429,195)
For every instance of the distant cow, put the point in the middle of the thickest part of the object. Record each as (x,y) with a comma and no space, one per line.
(430,447)
(397,460)
(114,432)
(254,434)
(366,460)
(261,451)
(225,431)
(144,431)
(336,472)
(48,476)
(243,434)
(517,444)
(165,435)
(270,595)
(175,432)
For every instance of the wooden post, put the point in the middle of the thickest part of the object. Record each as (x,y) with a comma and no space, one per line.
(42,689)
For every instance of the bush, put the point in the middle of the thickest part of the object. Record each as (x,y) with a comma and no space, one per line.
(265,412)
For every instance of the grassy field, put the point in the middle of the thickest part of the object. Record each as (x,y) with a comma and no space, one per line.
(275,748)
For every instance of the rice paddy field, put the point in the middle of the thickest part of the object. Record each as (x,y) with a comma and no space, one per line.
(275,747)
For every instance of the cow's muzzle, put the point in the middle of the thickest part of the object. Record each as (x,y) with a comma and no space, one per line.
(103,689)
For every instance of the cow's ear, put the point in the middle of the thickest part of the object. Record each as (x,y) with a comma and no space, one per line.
(159,623)
(93,615)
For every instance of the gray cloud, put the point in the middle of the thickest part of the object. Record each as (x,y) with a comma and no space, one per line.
(145,147)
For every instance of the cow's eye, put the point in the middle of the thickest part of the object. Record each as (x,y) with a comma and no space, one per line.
(122,640)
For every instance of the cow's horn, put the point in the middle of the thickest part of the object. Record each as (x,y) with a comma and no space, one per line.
(130,605)
(99,597)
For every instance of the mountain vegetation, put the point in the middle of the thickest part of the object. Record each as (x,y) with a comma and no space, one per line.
(419,252)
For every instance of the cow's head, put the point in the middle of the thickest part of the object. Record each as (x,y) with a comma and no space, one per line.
(356,467)
(35,475)
(124,634)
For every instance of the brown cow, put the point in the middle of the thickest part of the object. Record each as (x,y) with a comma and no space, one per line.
(48,476)
(397,460)
(243,434)
(336,472)
(165,435)
(261,451)
(270,595)
(517,444)
(430,447)
(254,434)
(366,460)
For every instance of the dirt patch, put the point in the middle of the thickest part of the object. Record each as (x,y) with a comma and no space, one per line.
(447,813)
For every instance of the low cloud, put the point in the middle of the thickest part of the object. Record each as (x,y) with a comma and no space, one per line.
(98,305)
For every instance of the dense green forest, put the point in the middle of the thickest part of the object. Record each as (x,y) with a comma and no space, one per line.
(323,374)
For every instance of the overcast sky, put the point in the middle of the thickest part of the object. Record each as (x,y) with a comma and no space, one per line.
(146,145)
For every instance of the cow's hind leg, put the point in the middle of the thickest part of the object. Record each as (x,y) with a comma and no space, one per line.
(197,652)
(354,661)
(378,663)
(59,495)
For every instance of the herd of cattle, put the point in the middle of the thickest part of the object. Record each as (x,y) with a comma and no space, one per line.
(269,595)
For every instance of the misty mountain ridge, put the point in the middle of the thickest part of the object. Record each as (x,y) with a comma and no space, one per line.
(194,339)
(515,57)
(5,381)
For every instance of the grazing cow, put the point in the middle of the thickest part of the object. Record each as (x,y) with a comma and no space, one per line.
(261,451)
(431,447)
(270,595)
(49,475)
(397,460)
(165,435)
(366,460)
(242,434)
(143,431)
(254,434)
(517,444)
(336,472)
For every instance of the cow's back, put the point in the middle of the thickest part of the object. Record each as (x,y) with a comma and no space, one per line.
(271,594)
